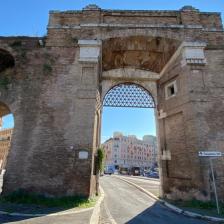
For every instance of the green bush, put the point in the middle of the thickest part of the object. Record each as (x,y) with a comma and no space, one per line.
(209,205)
(100,159)
(22,197)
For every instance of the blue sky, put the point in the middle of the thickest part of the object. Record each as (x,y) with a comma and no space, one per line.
(129,121)
(8,121)
(30,17)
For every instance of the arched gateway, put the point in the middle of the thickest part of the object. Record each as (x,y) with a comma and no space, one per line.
(55,86)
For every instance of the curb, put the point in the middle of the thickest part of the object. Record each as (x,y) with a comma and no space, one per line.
(95,217)
(173,207)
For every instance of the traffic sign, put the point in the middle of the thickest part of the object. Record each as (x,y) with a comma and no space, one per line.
(212,154)
(209,153)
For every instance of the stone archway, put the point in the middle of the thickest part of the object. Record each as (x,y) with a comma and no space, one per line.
(60,82)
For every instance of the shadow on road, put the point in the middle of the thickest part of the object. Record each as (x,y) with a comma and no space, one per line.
(156,215)
(7,218)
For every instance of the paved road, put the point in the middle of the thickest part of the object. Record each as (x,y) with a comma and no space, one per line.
(125,204)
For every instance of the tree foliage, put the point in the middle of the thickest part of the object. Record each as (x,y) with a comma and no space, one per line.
(100,159)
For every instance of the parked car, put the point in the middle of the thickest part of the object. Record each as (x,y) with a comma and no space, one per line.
(135,171)
(123,170)
(109,169)
(153,174)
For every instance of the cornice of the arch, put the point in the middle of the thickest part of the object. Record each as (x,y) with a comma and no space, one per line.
(129,74)
(146,32)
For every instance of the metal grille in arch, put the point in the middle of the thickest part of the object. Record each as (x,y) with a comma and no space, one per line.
(128,95)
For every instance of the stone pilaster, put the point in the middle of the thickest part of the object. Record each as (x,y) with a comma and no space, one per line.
(89,62)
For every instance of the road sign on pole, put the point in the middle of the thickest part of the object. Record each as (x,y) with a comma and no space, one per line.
(212,154)
(214,186)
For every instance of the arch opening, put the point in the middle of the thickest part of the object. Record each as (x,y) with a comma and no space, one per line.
(6,60)
(6,132)
(129,130)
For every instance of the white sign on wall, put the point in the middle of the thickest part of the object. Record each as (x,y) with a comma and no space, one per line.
(83,155)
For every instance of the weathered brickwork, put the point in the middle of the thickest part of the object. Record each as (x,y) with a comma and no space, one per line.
(54,86)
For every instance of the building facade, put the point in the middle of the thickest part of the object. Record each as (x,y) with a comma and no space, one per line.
(128,151)
(5,142)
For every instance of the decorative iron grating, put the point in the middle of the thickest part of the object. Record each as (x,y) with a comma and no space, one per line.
(128,95)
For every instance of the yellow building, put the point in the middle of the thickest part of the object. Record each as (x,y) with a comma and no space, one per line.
(5,141)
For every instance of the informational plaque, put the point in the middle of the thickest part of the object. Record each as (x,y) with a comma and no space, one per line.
(83,155)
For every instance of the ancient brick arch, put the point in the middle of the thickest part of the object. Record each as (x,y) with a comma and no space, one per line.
(6,60)
(4,109)
(58,82)
(140,52)
(7,70)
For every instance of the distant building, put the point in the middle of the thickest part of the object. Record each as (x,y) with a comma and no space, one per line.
(5,141)
(128,151)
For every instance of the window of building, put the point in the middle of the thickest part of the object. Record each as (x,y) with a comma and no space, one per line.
(171,89)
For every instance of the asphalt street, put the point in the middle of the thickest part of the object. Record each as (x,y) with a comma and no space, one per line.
(125,204)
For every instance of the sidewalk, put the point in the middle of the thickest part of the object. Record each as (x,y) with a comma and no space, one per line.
(78,218)
(36,214)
